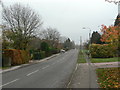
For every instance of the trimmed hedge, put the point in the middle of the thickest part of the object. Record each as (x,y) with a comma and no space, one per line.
(102,51)
(16,56)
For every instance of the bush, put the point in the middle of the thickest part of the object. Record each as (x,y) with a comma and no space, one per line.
(16,56)
(25,56)
(37,55)
(102,51)
(54,50)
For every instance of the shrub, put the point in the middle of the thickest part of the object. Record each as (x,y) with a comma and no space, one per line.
(44,46)
(17,56)
(102,51)
(37,55)
(25,56)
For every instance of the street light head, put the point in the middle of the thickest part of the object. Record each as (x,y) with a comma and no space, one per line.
(83,28)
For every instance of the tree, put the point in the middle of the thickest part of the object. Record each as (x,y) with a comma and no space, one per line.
(117,21)
(44,46)
(52,35)
(34,44)
(22,22)
(63,39)
(96,38)
(114,1)
(68,44)
(111,35)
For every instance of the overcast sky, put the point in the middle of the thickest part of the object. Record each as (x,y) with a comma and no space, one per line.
(70,16)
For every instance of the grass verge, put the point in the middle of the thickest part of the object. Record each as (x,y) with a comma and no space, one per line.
(3,68)
(81,57)
(100,60)
(108,77)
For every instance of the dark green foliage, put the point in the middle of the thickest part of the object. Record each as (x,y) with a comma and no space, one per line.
(44,46)
(54,50)
(117,21)
(37,55)
(96,38)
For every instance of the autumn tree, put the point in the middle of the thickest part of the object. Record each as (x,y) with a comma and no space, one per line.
(111,35)
(22,22)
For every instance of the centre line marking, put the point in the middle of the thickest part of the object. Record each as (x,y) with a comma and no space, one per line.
(46,67)
(32,72)
(9,82)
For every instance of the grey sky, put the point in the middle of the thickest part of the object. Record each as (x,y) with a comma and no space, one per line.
(70,16)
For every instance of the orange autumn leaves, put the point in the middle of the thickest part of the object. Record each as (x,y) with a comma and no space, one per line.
(109,77)
(110,34)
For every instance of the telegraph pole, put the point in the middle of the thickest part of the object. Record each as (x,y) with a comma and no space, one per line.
(80,42)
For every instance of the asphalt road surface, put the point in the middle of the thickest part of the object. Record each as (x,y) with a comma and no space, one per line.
(53,73)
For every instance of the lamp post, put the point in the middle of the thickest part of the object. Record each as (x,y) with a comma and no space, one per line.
(89,38)
(89,33)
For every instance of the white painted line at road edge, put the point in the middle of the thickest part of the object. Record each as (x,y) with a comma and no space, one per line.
(32,72)
(72,76)
(9,82)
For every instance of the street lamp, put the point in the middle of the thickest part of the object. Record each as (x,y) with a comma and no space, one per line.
(89,38)
(89,33)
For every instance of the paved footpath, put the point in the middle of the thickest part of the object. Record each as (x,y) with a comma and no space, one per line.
(84,76)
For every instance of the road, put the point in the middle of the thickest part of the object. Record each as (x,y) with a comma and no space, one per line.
(53,73)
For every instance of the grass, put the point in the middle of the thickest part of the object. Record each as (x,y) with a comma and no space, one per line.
(100,60)
(3,68)
(108,77)
(81,57)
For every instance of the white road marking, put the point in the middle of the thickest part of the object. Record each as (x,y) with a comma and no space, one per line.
(76,67)
(9,82)
(32,72)
(46,67)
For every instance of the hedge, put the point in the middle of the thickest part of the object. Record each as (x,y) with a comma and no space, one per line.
(102,51)
(16,56)
(37,55)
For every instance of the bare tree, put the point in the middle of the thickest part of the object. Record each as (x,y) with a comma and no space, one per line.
(22,21)
(114,1)
(63,39)
(52,35)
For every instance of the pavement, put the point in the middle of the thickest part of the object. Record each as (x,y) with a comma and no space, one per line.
(106,65)
(53,73)
(85,74)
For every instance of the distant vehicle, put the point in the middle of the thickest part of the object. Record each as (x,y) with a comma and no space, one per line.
(62,51)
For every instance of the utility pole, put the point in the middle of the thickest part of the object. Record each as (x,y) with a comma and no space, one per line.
(80,42)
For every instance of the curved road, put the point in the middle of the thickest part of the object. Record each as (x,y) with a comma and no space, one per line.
(53,73)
